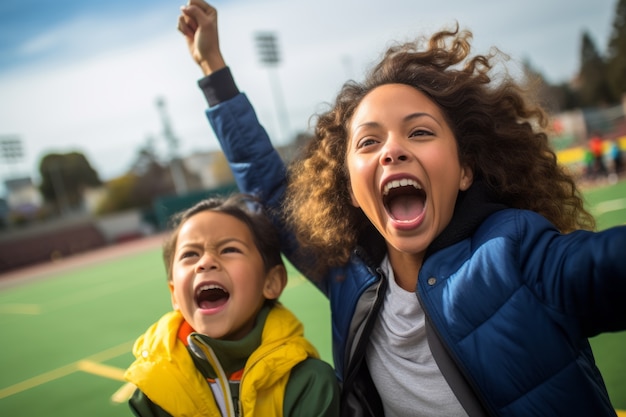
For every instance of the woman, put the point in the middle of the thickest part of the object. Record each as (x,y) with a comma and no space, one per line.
(431,211)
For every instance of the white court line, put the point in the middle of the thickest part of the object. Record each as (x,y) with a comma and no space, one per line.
(608,206)
(67,370)
(22,309)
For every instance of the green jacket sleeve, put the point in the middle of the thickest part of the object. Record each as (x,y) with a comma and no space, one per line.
(141,406)
(312,390)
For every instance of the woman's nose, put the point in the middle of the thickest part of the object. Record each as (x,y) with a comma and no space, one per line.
(393,152)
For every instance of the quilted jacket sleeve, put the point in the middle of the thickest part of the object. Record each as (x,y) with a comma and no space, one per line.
(581,274)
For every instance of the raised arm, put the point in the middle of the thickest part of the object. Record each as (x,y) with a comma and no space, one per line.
(198,23)
(256,165)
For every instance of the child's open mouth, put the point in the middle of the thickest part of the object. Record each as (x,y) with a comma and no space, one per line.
(211,296)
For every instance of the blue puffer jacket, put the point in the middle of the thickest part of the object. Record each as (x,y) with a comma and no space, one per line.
(509,304)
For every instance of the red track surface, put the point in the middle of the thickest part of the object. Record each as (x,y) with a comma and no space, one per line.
(43,270)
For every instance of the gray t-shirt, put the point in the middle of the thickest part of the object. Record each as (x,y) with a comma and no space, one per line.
(401,363)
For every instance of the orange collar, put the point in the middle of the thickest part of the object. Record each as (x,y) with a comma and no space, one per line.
(184,331)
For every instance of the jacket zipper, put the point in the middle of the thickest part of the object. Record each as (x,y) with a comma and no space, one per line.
(359,352)
(222,378)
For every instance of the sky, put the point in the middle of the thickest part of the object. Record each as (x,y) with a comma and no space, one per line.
(85,76)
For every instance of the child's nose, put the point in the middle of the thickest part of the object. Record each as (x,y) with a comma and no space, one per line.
(207,262)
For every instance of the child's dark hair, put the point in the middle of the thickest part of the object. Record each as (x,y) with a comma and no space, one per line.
(244,208)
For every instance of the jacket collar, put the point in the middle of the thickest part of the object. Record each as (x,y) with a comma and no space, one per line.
(232,354)
(471,209)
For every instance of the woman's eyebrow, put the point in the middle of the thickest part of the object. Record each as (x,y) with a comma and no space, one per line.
(418,115)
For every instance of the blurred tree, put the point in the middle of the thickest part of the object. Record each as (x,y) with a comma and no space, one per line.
(155,181)
(63,179)
(553,98)
(146,157)
(146,180)
(593,86)
(119,194)
(565,96)
(152,178)
(616,52)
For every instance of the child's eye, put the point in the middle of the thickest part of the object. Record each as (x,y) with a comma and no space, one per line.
(231,249)
(187,254)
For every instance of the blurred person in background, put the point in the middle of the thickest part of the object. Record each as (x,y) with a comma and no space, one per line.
(597,149)
(617,163)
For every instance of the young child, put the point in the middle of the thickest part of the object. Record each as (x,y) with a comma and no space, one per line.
(228,348)
(432,212)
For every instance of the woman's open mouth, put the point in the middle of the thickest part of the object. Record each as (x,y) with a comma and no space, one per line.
(404,200)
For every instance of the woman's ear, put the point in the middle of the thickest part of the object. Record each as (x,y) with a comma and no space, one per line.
(275,282)
(467,178)
(174,303)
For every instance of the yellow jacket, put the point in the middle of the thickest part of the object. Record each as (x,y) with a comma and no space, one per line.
(165,372)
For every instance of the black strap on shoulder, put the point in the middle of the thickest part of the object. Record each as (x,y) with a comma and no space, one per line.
(451,372)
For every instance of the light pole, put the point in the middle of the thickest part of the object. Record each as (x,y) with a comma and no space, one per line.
(270,57)
(178,173)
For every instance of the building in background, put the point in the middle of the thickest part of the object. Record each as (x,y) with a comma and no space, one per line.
(23,197)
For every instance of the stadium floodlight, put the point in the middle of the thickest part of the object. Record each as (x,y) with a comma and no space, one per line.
(11,148)
(269,55)
(268,48)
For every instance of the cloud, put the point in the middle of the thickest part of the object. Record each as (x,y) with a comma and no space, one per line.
(90,82)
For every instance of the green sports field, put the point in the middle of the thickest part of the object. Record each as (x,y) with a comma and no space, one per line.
(66,338)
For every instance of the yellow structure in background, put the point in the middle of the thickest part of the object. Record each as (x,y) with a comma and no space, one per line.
(577,154)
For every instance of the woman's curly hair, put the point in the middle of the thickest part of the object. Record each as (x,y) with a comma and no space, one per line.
(500,134)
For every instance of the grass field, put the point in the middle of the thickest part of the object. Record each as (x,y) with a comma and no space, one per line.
(67,338)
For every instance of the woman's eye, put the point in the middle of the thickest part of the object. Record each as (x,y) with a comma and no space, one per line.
(366,142)
(420,132)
